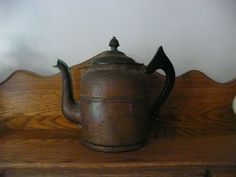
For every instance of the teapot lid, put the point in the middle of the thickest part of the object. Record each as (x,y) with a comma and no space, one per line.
(113,56)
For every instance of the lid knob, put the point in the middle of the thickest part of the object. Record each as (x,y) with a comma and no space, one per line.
(114,43)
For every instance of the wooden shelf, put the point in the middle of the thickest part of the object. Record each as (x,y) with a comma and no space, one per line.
(60,149)
(53,148)
(195,136)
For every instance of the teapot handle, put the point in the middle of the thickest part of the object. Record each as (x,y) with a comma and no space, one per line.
(161,61)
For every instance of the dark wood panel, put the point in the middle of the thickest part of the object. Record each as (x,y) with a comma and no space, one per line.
(229,171)
(111,172)
(2,172)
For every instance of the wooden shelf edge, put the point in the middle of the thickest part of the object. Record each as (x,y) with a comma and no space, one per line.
(114,165)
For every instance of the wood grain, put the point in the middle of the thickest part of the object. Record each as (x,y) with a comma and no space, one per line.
(52,149)
(222,171)
(150,171)
(197,106)
(59,153)
(29,101)
(195,134)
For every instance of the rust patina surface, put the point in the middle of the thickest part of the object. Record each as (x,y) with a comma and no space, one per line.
(113,108)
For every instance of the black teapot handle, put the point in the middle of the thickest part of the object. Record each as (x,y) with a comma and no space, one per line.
(161,61)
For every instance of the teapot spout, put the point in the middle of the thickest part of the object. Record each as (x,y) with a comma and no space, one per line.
(70,108)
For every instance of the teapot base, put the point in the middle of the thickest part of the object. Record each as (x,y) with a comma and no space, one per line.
(115,148)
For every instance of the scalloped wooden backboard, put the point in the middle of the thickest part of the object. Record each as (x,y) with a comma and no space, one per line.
(197,105)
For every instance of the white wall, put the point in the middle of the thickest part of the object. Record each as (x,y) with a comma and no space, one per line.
(195,34)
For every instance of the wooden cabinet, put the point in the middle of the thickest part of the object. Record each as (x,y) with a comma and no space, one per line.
(194,136)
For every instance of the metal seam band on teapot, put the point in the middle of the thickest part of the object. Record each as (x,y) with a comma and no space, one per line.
(114,98)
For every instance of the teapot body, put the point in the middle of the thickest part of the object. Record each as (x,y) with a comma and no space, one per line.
(114,108)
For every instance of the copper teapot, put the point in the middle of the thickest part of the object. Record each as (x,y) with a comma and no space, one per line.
(113,110)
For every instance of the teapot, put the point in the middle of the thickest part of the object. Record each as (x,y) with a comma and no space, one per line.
(113,109)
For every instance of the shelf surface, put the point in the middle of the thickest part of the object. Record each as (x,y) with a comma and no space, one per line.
(62,148)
